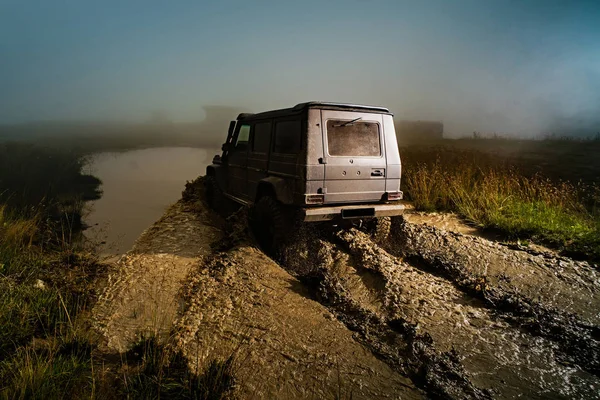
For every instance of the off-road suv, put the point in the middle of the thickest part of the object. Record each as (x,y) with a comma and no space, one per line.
(313,162)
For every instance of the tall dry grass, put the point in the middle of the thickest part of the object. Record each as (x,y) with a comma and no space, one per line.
(491,193)
(46,279)
(16,232)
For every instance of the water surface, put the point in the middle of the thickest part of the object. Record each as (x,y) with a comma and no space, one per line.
(138,186)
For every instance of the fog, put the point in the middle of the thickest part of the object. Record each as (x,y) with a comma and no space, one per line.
(520,68)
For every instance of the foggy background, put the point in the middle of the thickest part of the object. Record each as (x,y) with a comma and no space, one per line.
(511,67)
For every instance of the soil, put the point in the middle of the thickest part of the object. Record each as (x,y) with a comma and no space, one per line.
(433,312)
(140,296)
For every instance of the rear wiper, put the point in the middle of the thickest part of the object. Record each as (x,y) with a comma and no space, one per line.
(349,122)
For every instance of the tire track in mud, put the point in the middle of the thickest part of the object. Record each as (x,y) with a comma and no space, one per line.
(239,303)
(550,296)
(397,341)
(448,341)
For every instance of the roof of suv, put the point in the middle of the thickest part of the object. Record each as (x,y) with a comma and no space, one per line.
(298,108)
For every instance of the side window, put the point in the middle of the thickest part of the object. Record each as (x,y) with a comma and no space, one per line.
(243,136)
(287,137)
(262,137)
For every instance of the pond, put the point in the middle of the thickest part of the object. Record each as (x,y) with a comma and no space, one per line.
(138,186)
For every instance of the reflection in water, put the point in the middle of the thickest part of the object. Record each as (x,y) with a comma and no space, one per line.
(138,185)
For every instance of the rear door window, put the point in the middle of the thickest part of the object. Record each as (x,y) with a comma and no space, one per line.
(354,139)
(287,137)
(262,137)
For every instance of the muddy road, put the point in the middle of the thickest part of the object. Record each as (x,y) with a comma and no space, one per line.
(429,313)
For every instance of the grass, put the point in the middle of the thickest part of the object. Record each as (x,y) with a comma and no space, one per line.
(157,371)
(48,283)
(44,347)
(47,279)
(46,185)
(47,373)
(493,193)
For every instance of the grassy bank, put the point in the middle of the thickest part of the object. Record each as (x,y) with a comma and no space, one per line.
(46,186)
(45,347)
(49,280)
(47,277)
(495,193)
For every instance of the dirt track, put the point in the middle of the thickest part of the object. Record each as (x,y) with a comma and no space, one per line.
(435,313)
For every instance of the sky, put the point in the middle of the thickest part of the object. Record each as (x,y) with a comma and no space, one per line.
(517,67)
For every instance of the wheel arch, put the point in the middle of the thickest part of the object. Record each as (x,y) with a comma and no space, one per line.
(219,173)
(211,170)
(276,187)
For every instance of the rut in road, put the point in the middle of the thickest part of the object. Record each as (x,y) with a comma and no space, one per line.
(551,296)
(373,291)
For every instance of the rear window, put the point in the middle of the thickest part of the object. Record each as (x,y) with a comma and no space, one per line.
(356,139)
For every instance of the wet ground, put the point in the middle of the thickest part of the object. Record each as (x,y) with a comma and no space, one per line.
(431,312)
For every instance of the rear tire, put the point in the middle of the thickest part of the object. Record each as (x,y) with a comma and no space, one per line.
(380,229)
(214,194)
(269,224)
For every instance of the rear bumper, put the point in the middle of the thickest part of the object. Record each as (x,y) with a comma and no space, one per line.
(315,214)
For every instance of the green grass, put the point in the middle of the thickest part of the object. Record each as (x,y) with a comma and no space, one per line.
(159,372)
(48,281)
(58,371)
(492,193)
(45,350)
(45,184)
(46,278)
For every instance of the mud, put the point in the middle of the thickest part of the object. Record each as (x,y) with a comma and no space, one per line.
(572,286)
(430,313)
(201,284)
(140,296)
(479,347)
(551,296)
(395,340)
(289,346)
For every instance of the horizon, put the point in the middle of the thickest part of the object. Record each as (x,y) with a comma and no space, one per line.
(520,68)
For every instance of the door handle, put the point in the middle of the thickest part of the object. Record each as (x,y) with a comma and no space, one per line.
(377,172)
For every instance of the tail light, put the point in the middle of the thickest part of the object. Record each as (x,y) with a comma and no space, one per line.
(315,198)
(394,196)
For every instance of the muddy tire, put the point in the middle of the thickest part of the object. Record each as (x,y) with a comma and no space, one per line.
(268,221)
(380,229)
(214,194)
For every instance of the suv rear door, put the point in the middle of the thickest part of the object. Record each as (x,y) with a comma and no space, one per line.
(355,159)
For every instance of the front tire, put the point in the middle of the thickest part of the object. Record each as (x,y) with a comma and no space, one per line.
(214,194)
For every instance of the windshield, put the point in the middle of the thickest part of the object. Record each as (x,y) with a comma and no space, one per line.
(356,139)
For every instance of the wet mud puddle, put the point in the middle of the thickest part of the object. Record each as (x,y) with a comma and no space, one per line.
(496,355)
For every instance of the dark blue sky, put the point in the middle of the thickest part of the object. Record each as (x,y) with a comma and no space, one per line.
(509,66)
